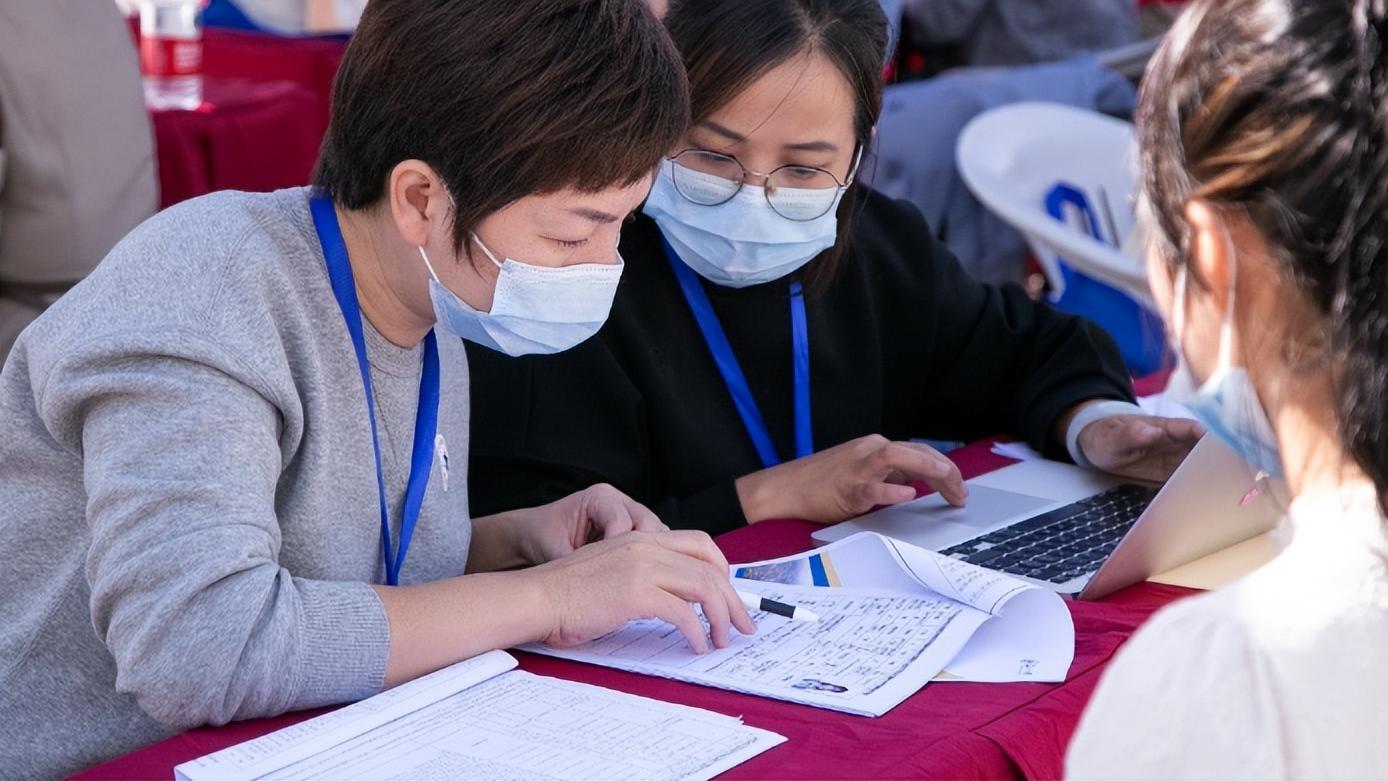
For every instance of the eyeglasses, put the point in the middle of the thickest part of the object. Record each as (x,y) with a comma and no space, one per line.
(796,192)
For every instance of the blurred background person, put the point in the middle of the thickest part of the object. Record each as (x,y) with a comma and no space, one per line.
(76,153)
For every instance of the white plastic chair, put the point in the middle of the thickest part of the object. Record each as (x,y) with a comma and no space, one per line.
(1013,157)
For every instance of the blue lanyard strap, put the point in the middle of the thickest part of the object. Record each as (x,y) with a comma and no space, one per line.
(427,413)
(731,370)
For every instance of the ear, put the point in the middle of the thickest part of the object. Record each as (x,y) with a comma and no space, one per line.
(418,201)
(1211,252)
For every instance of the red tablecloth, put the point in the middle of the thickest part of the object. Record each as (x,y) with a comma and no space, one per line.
(262,120)
(309,62)
(947,730)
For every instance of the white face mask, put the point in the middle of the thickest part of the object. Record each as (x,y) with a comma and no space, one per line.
(1226,403)
(742,242)
(535,309)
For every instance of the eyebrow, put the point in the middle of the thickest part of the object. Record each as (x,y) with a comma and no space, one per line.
(594,215)
(734,136)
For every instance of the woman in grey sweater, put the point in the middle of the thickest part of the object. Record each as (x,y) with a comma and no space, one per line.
(232,479)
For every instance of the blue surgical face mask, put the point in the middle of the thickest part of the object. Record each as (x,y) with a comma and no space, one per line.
(535,309)
(1226,403)
(739,243)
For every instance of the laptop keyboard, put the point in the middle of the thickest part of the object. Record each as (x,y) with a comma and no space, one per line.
(1064,543)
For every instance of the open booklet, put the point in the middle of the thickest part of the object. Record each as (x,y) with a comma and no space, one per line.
(482,719)
(1027,636)
(892,618)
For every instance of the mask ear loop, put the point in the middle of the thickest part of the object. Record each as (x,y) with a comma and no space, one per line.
(1178,324)
(424,255)
(1226,328)
(488,252)
(427,264)
(1226,349)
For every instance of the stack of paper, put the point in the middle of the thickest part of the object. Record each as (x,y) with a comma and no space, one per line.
(476,720)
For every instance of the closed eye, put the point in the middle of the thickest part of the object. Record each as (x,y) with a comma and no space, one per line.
(570,244)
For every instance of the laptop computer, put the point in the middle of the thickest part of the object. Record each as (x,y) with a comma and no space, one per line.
(1084,533)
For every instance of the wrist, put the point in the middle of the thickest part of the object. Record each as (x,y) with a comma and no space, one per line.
(543,601)
(502,542)
(1073,423)
(758,496)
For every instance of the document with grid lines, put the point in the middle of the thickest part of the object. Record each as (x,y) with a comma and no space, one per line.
(482,719)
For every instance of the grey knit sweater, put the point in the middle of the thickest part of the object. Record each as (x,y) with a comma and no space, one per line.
(188,509)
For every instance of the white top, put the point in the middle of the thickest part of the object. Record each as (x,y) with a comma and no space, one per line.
(1282,675)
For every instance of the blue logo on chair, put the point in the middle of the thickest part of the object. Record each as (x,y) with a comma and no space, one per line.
(1137,331)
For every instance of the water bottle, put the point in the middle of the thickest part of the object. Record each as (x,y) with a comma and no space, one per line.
(171,53)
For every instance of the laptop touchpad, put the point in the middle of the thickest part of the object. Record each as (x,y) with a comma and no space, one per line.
(933,523)
(986,508)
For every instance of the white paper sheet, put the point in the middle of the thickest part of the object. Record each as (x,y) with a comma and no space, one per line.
(1027,635)
(266,754)
(869,650)
(513,725)
(1018,451)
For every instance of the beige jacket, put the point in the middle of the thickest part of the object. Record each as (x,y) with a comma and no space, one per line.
(79,169)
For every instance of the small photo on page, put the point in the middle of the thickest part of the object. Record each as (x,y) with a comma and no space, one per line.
(795,572)
(813,570)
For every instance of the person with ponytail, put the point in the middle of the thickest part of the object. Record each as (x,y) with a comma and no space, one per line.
(1263,127)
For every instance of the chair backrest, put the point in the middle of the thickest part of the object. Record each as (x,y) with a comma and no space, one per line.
(1020,158)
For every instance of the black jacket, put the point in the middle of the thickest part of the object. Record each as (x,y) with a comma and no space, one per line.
(903,343)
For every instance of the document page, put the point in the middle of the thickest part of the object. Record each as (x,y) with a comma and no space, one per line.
(868,651)
(1029,635)
(512,725)
(527,726)
(266,754)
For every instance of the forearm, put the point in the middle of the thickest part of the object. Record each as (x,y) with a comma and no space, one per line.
(433,625)
(715,509)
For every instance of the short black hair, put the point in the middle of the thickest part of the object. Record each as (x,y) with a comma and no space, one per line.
(503,98)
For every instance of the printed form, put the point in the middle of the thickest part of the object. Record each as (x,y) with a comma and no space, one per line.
(1028,634)
(893,618)
(475,720)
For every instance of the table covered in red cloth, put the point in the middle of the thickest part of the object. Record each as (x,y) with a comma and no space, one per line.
(946,730)
(264,112)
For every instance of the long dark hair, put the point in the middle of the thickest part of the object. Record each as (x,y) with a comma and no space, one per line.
(728,44)
(1279,109)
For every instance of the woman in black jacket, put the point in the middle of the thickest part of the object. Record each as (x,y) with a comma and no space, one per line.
(781,333)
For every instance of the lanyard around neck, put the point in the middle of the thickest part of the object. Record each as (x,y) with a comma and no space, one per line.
(427,414)
(731,370)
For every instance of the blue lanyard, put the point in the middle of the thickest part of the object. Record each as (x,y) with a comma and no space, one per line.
(731,370)
(427,415)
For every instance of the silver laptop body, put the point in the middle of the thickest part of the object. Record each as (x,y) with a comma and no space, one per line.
(1210,503)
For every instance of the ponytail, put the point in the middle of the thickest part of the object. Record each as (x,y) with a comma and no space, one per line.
(1359,323)
(1279,109)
